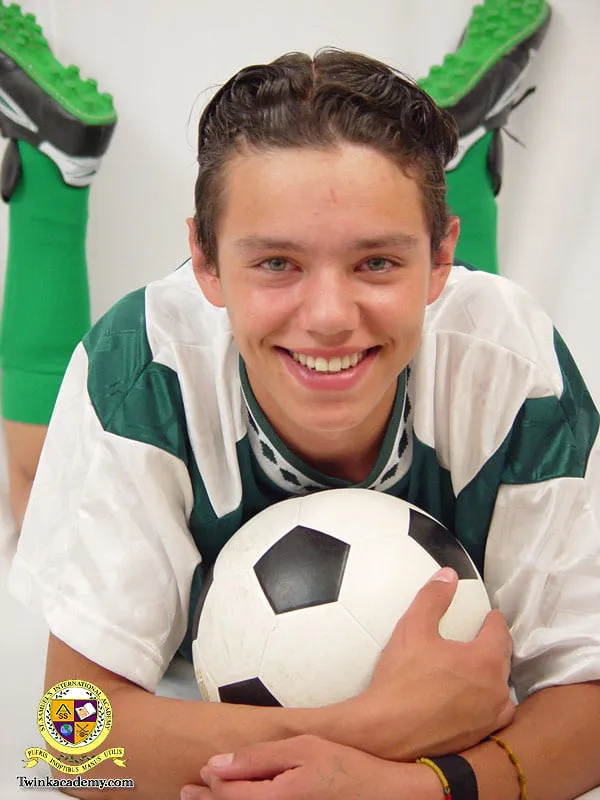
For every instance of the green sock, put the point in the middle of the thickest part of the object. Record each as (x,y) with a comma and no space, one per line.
(46,295)
(471,197)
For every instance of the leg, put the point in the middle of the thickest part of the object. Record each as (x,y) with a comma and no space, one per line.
(24,445)
(59,127)
(478,85)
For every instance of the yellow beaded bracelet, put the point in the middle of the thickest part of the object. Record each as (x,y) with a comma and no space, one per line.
(515,762)
(439,773)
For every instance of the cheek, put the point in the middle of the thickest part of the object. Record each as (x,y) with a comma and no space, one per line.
(255,314)
(404,312)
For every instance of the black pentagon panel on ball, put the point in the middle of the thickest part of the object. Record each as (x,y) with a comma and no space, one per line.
(251,692)
(440,544)
(304,568)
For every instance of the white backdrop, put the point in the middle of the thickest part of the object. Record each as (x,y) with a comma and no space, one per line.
(161,60)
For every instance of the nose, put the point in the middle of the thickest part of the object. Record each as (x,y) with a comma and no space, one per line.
(329,304)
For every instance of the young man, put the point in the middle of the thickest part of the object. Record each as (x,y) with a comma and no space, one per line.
(321,332)
(59,126)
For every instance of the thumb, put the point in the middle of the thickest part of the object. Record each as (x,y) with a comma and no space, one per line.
(431,602)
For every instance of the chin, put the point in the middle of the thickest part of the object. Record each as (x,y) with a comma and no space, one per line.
(327,423)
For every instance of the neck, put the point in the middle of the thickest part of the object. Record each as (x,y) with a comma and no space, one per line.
(343,462)
(348,454)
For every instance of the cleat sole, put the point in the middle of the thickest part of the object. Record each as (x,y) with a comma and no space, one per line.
(495,28)
(25,47)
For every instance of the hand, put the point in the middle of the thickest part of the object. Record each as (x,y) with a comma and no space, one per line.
(309,768)
(432,696)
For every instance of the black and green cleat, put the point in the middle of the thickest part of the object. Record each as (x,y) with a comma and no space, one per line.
(49,105)
(479,83)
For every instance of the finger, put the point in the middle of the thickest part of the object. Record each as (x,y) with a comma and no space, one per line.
(192,792)
(257,762)
(430,604)
(283,787)
(494,636)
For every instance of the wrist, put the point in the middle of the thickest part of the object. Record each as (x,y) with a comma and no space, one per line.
(496,774)
(363,722)
(422,782)
(339,722)
(455,775)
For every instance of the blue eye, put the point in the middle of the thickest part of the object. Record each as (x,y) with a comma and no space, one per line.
(377,264)
(275,264)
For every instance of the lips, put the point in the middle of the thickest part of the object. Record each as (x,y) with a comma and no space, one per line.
(316,378)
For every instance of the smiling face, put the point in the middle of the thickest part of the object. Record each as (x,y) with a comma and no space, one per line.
(325,270)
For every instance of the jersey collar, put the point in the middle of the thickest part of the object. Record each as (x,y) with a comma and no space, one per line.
(287,471)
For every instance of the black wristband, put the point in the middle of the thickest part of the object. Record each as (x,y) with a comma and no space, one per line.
(460,776)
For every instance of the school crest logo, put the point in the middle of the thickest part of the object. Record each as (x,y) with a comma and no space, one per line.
(74,717)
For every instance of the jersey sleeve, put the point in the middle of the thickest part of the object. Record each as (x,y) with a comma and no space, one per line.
(105,552)
(542,570)
(542,560)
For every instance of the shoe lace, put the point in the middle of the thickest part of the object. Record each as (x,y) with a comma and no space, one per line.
(527,93)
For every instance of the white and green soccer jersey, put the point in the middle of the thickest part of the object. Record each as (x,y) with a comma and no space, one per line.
(158,452)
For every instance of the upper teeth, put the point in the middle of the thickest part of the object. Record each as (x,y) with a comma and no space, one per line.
(332,365)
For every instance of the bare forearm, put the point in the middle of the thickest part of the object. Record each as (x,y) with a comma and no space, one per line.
(556,737)
(167,741)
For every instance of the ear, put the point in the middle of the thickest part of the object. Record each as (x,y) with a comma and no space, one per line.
(443,260)
(207,277)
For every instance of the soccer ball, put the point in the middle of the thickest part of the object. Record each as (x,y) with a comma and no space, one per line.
(303,598)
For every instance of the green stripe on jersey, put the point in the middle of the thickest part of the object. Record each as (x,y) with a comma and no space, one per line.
(467,516)
(140,399)
(553,437)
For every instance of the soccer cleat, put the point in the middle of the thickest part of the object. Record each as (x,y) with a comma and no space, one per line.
(479,83)
(48,105)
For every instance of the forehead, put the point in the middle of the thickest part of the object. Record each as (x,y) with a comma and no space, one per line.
(318,193)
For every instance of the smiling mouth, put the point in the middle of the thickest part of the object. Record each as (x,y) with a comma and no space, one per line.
(336,364)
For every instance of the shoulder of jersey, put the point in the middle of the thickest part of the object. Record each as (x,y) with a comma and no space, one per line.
(491,309)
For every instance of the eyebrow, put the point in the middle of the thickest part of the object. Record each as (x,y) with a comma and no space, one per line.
(404,241)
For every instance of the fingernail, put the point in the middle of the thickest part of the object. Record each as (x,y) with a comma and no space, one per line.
(206,775)
(222,760)
(446,575)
